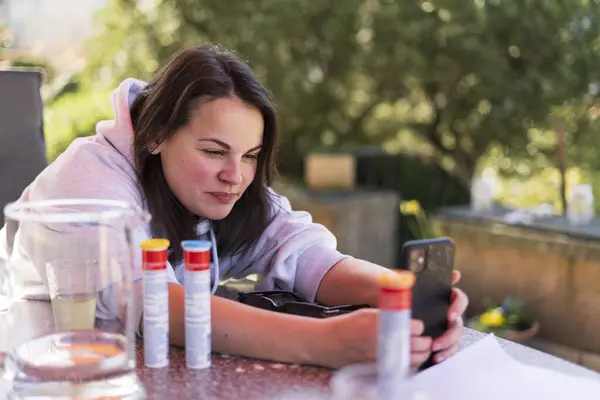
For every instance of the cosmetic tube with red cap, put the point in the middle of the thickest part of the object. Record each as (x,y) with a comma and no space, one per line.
(393,353)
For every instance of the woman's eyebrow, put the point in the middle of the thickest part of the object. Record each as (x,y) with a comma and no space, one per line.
(217,141)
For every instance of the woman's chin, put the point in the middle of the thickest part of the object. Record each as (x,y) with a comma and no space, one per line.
(215,213)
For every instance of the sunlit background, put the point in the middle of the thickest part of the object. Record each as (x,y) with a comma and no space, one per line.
(430,98)
(475,87)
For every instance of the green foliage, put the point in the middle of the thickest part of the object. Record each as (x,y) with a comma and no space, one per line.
(449,78)
(509,315)
(74,115)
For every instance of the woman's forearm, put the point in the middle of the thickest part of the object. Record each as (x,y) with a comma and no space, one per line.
(351,281)
(248,331)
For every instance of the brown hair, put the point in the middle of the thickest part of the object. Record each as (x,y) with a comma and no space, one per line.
(193,76)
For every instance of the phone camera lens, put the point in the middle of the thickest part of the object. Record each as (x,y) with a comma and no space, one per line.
(418,263)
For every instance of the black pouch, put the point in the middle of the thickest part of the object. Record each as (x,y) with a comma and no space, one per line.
(289,303)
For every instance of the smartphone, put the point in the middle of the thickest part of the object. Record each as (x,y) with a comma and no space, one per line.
(432,262)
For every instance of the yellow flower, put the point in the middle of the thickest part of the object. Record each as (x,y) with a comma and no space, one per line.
(411,207)
(493,318)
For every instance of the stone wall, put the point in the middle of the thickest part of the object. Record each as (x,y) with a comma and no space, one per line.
(364,222)
(557,274)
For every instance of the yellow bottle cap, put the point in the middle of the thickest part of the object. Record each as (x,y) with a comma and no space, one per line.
(155,244)
(399,279)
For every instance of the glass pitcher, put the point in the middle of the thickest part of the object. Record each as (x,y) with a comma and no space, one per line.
(69,331)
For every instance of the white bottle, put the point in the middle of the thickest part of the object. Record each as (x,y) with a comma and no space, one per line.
(580,205)
(482,195)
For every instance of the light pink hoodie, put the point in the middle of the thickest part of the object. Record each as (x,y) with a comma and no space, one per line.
(293,253)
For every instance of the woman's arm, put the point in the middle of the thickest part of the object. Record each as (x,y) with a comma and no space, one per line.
(350,281)
(252,332)
(354,281)
(247,331)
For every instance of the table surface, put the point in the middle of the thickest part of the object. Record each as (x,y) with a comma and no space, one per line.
(235,377)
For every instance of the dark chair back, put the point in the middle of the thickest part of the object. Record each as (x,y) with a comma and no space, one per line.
(22,145)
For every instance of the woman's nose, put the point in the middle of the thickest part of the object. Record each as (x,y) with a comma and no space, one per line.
(231,173)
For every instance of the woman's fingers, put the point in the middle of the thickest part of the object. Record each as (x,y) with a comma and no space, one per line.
(418,358)
(456,275)
(420,344)
(458,305)
(450,338)
(416,327)
(443,355)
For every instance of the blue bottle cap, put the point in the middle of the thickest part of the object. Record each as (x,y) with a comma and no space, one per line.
(196,245)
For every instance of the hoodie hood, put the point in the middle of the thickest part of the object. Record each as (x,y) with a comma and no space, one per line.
(119,131)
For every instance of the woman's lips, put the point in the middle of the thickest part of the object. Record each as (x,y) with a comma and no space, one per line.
(223,197)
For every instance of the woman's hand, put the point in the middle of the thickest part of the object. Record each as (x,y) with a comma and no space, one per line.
(352,338)
(447,344)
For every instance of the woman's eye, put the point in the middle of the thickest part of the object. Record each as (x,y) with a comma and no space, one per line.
(252,156)
(213,152)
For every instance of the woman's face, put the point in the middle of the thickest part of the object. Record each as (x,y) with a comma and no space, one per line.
(211,161)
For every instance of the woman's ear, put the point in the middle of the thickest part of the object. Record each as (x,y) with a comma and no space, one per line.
(155,148)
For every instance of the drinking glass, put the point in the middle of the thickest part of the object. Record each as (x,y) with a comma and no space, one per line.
(73,290)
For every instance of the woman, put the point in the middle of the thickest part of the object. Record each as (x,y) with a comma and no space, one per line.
(195,147)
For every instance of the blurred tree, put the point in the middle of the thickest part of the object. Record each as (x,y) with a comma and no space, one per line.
(73,115)
(447,78)
(5,39)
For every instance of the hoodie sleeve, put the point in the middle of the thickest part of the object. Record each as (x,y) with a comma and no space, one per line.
(89,170)
(292,254)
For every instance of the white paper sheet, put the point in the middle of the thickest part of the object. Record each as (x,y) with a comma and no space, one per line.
(485,371)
